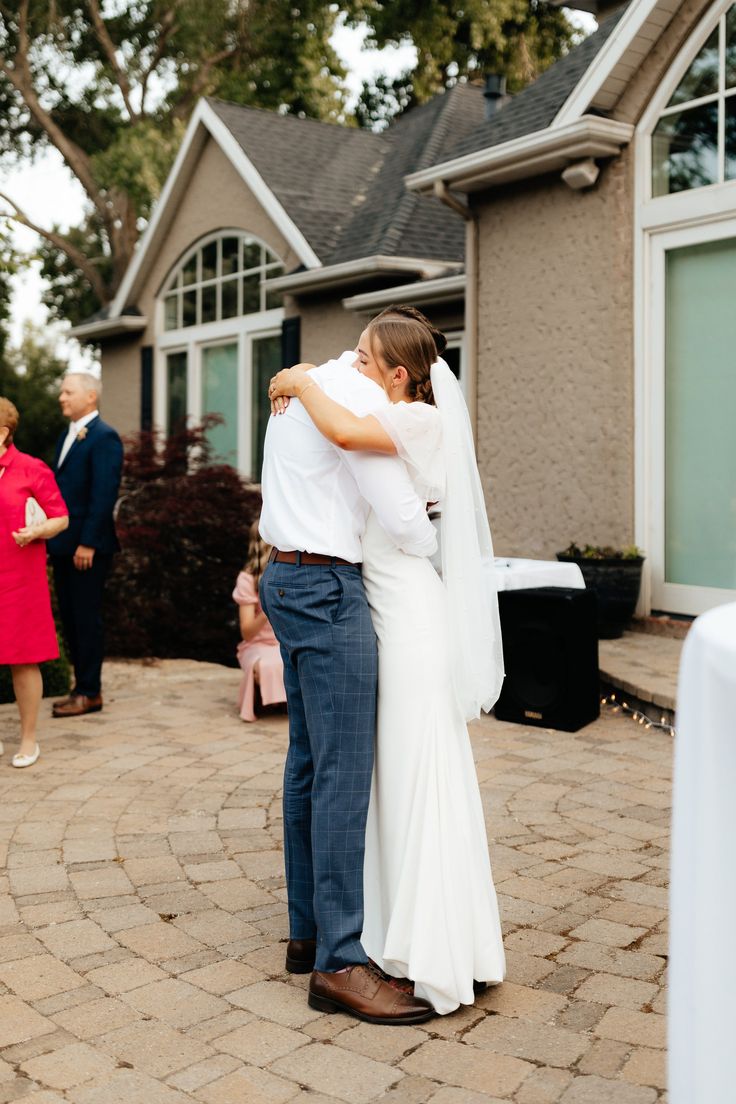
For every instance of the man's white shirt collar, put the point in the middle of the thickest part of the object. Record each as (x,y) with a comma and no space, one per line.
(85,420)
(73,433)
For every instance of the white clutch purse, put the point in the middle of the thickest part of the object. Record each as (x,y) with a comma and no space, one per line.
(35,515)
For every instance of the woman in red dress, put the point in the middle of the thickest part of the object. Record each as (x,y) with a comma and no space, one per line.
(28,635)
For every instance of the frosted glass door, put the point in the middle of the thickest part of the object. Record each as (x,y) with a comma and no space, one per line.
(220,396)
(700,416)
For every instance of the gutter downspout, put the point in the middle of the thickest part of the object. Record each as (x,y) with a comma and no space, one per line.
(443,193)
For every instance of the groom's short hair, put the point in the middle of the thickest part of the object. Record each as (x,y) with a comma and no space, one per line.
(89,382)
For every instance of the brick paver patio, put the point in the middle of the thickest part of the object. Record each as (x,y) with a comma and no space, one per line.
(142,918)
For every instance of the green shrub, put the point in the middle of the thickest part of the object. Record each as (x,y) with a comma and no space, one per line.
(183,525)
(603,552)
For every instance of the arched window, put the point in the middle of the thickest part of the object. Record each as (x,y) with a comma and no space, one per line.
(694,141)
(219,342)
(221,278)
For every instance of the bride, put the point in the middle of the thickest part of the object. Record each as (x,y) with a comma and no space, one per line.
(431,913)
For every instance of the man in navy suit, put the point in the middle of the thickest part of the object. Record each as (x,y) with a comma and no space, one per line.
(88,467)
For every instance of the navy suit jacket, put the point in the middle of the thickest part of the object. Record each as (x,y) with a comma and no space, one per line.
(89,481)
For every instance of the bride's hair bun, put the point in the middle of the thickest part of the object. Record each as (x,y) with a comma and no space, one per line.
(403,310)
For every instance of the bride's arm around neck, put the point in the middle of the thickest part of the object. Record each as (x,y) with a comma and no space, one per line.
(334,421)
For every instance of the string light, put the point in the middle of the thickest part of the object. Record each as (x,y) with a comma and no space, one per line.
(637,715)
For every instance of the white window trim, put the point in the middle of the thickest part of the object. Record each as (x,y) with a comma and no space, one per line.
(240,330)
(192,341)
(652,208)
(701,210)
(167,287)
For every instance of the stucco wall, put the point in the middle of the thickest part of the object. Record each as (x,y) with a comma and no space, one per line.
(121,380)
(327,328)
(555,373)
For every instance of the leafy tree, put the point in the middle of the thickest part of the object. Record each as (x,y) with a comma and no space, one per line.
(29,377)
(111,87)
(8,267)
(518,39)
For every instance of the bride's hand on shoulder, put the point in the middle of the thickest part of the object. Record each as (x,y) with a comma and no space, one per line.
(287,384)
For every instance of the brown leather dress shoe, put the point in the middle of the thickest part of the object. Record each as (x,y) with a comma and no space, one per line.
(77,706)
(300,955)
(65,701)
(361,992)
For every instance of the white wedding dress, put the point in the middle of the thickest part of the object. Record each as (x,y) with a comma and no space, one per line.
(430,906)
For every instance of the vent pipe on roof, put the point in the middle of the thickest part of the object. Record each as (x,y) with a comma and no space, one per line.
(494,93)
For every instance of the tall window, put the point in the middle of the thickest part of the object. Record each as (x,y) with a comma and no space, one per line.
(694,142)
(220,341)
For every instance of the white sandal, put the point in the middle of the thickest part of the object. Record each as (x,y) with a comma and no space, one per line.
(19,760)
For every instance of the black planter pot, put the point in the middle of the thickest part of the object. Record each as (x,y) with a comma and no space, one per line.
(616,584)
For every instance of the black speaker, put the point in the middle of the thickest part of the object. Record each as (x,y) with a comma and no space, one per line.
(550,647)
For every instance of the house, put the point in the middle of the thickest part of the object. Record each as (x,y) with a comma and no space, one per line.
(577,241)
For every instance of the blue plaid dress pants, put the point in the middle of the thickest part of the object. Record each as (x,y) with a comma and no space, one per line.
(321,619)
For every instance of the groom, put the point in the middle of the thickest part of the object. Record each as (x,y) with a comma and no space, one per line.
(316,500)
(88,466)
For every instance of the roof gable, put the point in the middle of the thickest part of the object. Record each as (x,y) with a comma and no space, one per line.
(336,193)
(318,171)
(205,123)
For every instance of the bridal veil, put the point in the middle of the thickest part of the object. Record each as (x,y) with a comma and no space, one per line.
(468,570)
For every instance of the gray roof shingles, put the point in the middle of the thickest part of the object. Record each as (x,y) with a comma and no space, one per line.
(394,222)
(537,105)
(344,187)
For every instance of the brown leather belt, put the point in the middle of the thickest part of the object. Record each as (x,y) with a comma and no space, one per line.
(277,556)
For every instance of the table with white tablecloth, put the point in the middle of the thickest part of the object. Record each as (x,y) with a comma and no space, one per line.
(520,574)
(702,996)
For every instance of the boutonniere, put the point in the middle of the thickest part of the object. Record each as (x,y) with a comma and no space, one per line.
(82,433)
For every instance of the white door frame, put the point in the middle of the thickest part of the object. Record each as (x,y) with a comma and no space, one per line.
(659,223)
(664,595)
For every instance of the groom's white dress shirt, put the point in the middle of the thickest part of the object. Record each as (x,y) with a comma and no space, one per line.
(316,497)
(71,436)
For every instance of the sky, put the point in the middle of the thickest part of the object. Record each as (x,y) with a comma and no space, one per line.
(48,191)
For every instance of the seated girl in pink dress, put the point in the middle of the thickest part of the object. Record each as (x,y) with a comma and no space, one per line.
(258,652)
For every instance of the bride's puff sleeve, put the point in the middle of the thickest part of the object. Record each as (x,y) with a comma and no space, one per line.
(416,430)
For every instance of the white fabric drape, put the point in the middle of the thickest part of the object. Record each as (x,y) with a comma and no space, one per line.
(703,884)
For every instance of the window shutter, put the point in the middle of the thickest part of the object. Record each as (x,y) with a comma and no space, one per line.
(147,387)
(291,341)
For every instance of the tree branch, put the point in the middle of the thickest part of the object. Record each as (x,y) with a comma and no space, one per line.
(21,78)
(182,108)
(103,37)
(168,27)
(75,255)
